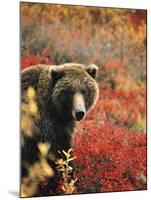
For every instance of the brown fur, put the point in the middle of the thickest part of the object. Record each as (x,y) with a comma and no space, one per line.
(55,88)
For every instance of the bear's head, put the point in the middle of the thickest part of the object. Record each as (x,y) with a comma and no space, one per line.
(74,90)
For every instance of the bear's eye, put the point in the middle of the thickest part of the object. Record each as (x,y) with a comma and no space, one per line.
(68,92)
(84,91)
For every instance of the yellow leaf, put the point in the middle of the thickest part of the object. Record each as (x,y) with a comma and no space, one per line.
(31,93)
(33,107)
(43,148)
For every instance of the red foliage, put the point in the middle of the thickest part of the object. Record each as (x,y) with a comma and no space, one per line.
(120,107)
(137,18)
(114,64)
(109,158)
(43,58)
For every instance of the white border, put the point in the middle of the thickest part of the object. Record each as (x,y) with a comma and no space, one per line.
(9,98)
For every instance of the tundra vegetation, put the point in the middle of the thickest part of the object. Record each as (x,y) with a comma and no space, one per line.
(109,145)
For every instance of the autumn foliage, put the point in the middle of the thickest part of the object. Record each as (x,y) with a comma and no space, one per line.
(109,158)
(110,144)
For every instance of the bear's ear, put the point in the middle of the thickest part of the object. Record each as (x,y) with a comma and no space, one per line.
(92,70)
(57,74)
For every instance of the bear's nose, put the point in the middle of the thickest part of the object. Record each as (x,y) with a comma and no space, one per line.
(79,114)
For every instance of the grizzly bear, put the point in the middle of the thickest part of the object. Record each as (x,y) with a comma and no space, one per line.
(64,94)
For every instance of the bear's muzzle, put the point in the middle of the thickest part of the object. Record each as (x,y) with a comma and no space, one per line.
(78,110)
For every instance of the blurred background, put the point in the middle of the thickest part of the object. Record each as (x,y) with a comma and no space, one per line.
(114,134)
(59,34)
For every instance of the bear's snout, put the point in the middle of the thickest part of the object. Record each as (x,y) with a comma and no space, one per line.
(78,110)
(79,114)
